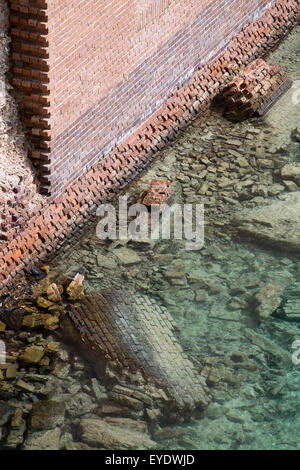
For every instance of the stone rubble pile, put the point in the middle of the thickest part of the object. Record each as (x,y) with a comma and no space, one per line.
(276,225)
(231,168)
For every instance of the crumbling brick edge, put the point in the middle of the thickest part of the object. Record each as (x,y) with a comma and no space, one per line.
(47,229)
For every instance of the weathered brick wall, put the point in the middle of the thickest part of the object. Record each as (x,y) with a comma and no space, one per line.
(91,72)
(53,222)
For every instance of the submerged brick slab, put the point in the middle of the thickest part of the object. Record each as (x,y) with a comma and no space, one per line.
(136,335)
(255,90)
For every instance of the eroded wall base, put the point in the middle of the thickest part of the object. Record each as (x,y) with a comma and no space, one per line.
(42,233)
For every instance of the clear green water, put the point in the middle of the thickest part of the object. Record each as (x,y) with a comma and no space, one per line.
(255,402)
(254,385)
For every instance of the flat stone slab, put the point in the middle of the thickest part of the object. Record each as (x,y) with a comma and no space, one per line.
(134,337)
(276,225)
(127,257)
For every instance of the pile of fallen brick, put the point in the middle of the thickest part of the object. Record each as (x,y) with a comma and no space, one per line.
(127,338)
(255,90)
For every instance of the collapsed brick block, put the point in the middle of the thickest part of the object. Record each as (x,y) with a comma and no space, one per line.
(75,288)
(130,340)
(158,193)
(28,233)
(255,90)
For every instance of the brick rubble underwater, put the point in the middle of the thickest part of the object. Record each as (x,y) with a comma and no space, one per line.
(31,240)
(158,193)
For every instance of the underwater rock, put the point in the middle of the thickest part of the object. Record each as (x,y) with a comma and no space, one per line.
(290,307)
(114,409)
(106,262)
(10,371)
(6,412)
(32,355)
(202,296)
(291,171)
(127,257)
(15,438)
(296,134)
(27,387)
(44,303)
(48,440)
(18,428)
(290,185)
(283,357)
(39,320)
(80,403)
(47,414)
(267,300)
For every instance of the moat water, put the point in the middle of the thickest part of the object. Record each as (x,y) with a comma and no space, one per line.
(254,385)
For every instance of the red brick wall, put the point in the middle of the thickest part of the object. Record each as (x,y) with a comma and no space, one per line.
(41,234)
(90,72)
